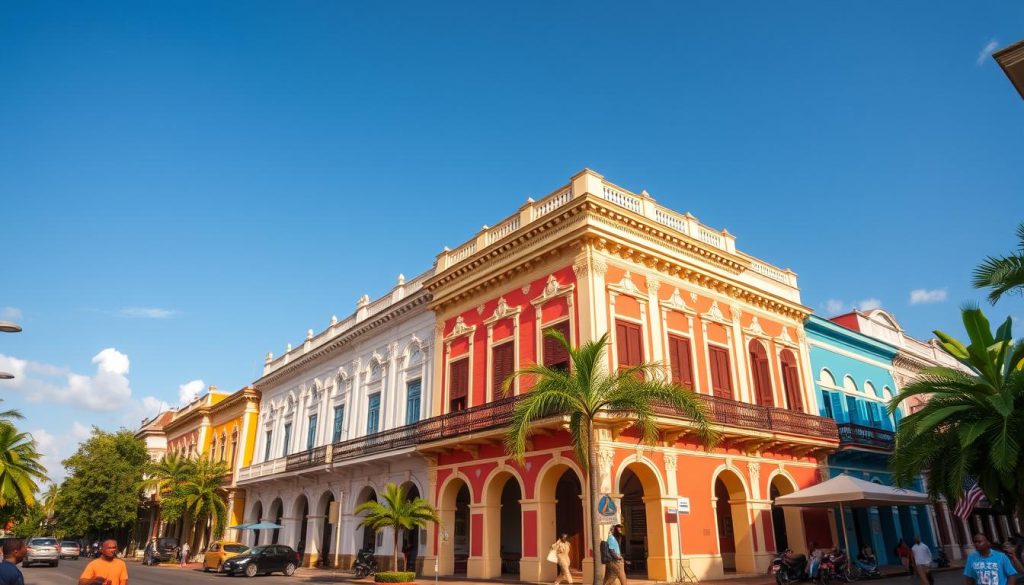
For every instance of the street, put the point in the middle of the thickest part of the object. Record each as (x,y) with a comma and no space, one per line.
(138,574)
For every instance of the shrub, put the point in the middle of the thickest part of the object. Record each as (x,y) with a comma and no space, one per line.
(395,577)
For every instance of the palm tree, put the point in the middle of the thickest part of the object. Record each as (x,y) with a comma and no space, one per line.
(396,512)
(587,393)
(169,472)
(1002,274)
(50,501)
(973,423)
(20,469)
(10,415)
(203,498)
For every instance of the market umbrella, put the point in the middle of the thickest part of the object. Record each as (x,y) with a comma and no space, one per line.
(263,526)
(240,526)
(850,491)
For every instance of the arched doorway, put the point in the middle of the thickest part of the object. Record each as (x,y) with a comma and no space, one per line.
(410,550)
(302,508)
(503,525)
(453,532)
(276,515)
(327,531)
(367,539)
(643,544)
(460,531)
(569,516)
(256,516)
(735,542)
(559,496)
(787,524)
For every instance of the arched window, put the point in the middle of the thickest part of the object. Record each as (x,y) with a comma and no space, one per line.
(223,445)
(761,372)
(791,381)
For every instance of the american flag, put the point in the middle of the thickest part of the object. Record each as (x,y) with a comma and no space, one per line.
(968,500)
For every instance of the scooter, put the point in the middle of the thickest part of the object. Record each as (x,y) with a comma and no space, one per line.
(788,567)
(365,564)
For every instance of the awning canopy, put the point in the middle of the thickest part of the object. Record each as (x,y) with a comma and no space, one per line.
(262,526)
(852,492)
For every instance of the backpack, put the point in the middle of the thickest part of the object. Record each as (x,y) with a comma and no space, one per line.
(606,553)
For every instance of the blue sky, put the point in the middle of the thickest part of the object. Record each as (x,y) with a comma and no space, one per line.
(185,186)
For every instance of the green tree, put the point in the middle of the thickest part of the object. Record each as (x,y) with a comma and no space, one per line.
(10,415)
(101,493)
(396,512)
(20,469)
(973,423)
(200,498)
(587,392)
(1002,274)
(168,473)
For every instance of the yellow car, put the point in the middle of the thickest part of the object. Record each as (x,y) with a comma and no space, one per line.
(219,552)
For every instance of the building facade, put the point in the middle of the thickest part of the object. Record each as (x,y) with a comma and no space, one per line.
(232,438)
(593,258)
(151,433)
(337,423)
(855,382)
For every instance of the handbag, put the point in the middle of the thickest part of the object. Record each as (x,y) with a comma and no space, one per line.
(552,556)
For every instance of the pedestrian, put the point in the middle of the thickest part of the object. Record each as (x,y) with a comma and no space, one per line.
(185,551)
(14,551)
(903,552)
(986,566)
(561,554)
(816,554)
(922,561)
(615,567)
(106,570)
(1014,548)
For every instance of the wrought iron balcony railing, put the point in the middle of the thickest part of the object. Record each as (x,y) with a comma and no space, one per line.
(861,436)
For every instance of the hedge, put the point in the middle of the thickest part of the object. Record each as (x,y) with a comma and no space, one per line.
(395,577)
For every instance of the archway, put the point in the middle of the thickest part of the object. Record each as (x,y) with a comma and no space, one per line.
(410,550)
(367,539)
(735,542)
(787,523)
(276,515)
(453,532)
(257,516)
(301,507)
(327,530)
(503,525)
(643,543)
(559,496)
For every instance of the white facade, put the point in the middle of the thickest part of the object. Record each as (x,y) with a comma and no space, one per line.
(364,372)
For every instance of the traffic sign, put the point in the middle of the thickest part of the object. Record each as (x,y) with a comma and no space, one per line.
(607,511)
(683,507)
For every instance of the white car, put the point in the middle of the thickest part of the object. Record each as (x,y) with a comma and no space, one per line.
(42,549)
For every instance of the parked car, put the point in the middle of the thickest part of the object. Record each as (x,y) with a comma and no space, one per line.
(264,559)
(166,550)
(69,549)
(221,551)
(42,549)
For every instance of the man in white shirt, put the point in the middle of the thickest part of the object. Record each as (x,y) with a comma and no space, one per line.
(922,561)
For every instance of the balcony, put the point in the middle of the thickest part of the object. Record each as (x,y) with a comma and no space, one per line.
(860,436)
(258,470)
(308,458)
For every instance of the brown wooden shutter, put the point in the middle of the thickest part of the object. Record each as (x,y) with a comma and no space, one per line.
(554,353)
(502,366)
(458,385)
(679,360)
(629,338)
(721,380)
(761,373)
(791,381)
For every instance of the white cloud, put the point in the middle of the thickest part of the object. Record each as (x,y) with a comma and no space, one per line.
(834,306)
(52,453)
(920,295)
(986,51)
(868,304)
(80,432)
(188,391)
(147,313)
(10,313)
(107,390)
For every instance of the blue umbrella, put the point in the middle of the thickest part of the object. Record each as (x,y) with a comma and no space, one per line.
(263,526)
(241,526)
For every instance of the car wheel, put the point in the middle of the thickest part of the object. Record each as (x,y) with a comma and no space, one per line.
(206,569)
(250,570)
(289,569)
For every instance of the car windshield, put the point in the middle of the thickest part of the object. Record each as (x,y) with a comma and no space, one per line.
(68,543)
(44,542)
(259,549)
(235,548)
(167,542)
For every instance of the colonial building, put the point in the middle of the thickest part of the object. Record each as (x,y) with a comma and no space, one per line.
(151,433)
(594,258)
(914,356)
(854,378)
(337,422)
(232,434)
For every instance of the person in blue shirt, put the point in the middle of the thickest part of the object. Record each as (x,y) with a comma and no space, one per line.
(988,567)
(14,551)
(615,568)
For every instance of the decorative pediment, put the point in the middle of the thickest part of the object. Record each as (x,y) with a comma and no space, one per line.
(785,339)
(755,328)
(714,313)
(461,328)
(551,290)
(503,311)
(677,303)
(626,286)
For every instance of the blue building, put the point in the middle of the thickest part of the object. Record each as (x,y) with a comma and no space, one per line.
(854,383)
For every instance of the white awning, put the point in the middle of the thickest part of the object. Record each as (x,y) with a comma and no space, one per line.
(852,492)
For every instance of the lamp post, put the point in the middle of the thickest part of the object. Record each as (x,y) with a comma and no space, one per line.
(8,327)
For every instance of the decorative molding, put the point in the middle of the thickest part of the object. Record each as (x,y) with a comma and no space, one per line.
(653,284)
(755,328)
(627,285)
(600,266)
(676,302)
(580,268)
(693,297)
(785,338)
(714,313)
(671,461)
(502,311)
(526,289)
(551,290)
(460,328)
(754,469)
(480,310)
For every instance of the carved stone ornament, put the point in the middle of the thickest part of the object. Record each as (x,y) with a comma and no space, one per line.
(754,468)
(653,284)
(460,327)
(670,462)
(755,327)
(693,297)
(503,310)
(600,266)
(676,301)
(606,457)
(580,268)
(784,337)
(551,288)
(627,284)
(480,310)
(715,312)
(526,289)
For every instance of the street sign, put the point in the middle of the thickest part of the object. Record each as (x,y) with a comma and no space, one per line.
(333,512)
(683,507)
(607,511)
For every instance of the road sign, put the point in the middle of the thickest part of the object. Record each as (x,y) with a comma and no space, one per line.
(607,511)
(683,506)
(333,512)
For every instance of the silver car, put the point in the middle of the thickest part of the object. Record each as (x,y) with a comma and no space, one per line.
(43,549)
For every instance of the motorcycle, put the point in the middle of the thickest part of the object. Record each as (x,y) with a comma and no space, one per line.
(365,564)
(788,567)
(867,568)
(836,565)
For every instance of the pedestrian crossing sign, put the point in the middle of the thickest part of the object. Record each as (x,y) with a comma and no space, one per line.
(607,511)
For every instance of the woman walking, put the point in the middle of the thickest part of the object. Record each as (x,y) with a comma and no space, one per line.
(561,553)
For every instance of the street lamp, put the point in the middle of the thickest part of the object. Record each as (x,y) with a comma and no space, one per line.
(8,327)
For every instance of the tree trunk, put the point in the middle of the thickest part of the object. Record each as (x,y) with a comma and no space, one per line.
(395,551)
(592,480)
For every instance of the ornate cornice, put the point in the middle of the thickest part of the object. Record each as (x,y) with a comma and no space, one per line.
(372,322)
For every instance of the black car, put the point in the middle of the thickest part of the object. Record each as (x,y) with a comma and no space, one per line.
(264,559)
(166,550)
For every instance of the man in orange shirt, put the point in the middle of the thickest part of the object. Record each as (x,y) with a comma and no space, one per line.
(106,570)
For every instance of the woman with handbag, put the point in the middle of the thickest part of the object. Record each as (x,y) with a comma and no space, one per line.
(559,554)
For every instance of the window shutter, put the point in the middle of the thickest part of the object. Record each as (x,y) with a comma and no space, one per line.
(680,362)
(837,407)
(791,381)
(629,338)
(721,381)
(554,353)
(459,385)
(502,366)
(761,374)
